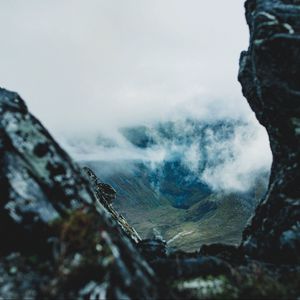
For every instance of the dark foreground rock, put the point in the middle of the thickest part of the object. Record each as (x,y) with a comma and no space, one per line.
(58,240)
(270,77)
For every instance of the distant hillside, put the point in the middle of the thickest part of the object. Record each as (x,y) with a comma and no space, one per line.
(211,217)
(171,197)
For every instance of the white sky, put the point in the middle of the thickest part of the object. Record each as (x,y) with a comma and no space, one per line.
(96,65)
(90,66)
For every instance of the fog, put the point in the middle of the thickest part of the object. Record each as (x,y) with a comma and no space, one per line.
(92,67)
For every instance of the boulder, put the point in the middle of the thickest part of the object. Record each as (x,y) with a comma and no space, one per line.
(58,240)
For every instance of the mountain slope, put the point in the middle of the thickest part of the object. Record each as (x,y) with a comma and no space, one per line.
(211,216)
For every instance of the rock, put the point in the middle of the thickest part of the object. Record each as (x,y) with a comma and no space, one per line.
(228,253)
(152,249)
(62,239)
(173,268)
(58,240)
(269,74)
(104,193)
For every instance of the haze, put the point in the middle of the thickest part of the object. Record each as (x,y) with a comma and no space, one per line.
(90,67)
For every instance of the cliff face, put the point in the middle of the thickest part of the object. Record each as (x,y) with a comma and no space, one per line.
(270,77)
(60,238)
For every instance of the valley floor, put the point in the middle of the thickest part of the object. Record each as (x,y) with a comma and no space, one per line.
(186,232)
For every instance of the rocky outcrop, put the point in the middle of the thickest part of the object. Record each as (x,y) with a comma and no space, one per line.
(58,239)
(269,74)
(105,194)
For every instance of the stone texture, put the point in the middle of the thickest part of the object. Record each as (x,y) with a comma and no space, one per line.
(58,239)
(105,195)
(270,77)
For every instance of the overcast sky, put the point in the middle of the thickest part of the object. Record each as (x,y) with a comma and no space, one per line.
(86,67)
(97,65)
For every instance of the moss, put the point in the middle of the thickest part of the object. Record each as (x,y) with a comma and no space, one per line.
(83,253)
(79,232)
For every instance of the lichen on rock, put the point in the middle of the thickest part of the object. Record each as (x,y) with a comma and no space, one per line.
(269,74)
(49,211)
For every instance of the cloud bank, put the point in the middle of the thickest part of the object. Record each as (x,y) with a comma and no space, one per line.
(98,65)
(226,154)
(89,68)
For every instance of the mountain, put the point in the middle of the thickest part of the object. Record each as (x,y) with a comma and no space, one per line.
(171,196)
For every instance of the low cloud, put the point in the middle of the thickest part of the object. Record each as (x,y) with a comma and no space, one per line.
(89,68)
(226,154)
(85,67)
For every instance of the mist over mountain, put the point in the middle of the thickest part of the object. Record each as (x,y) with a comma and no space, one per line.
(138,64)
(204,149)
(183,177)
(196,178)
(146,94)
